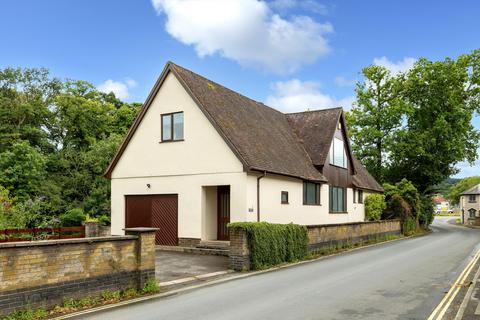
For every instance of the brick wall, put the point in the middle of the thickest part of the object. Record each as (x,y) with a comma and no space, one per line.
(43,273)
(239,254)
(188,242)
(318,235)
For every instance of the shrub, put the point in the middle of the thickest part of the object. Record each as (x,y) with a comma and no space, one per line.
(426,211)
(73,217)
(150,287)
(409,226)
(272,244)
(374,206)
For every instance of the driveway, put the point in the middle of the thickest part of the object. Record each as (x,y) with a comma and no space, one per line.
(179,265)
(397,280)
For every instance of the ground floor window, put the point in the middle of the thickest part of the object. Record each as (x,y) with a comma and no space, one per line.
(284,197)
(338,199)
(311,193)
(360,196)
(472,212)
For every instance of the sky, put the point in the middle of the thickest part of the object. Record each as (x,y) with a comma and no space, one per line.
(292,55)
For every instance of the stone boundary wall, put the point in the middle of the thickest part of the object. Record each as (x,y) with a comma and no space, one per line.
(319,236)
(95,229)
(332,234)
(44,273)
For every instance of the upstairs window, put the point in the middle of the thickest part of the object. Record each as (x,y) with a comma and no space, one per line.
(337,153)
(472,198)
(338,200)
(172,126)
(311,193)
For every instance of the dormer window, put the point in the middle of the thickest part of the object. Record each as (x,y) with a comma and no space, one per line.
(172,126)
(337,153)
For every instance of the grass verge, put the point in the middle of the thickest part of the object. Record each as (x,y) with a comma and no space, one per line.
(71,305)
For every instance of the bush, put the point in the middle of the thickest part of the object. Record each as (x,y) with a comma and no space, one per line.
(150,287)
(73,217)
(426,211)
(374,206)
(409,226)
(272,244)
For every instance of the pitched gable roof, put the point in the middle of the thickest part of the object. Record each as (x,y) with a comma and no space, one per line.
(316,129)
(473,190)
(260,136)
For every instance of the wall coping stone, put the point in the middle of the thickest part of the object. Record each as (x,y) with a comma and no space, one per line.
(349,223)
(141,229)
(64,241)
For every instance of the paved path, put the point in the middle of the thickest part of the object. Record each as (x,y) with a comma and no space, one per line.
(177,265)
(399,280)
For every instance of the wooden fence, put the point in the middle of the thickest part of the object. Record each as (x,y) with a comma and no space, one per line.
(33,234)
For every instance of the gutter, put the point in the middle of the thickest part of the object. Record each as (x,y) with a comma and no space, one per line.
(258,194)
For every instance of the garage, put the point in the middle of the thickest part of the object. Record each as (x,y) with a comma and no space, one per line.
(157,211)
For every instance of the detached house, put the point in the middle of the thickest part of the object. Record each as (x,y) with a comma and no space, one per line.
(200,155)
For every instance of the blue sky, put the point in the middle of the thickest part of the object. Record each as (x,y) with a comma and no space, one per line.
(293,55)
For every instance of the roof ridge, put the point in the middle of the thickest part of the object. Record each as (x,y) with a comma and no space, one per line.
(317,110)
(220,85)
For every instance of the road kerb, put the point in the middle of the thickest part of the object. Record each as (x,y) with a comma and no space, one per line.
(467,297)
(442,307)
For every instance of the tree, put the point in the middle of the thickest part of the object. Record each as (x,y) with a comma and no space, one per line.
(417,125)
(22,170)
(56,139)
(374,119)
(25,99)
(461,186)
(440,98)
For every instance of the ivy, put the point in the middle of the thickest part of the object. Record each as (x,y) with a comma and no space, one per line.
(272,244)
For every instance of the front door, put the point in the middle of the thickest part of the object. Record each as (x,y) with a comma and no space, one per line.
(223,208)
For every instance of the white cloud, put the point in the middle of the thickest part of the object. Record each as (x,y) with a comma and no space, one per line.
(395,67)
(296,95)
(246,31)
(121,89)
(344,82)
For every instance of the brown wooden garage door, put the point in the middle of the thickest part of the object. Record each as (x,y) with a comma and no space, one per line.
(158,211)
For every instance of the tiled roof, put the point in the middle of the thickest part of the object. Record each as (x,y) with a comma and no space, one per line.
(363,179)
(261,135)
(316,130)
(263,138)
(474,190)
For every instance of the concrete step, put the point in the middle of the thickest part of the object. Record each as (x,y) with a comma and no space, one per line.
(214,244)
(206,251)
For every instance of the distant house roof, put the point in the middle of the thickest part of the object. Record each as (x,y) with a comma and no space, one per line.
(438,198)
(474,190)
(263,138)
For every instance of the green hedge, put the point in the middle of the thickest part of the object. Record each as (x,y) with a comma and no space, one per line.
(409,226)
(272,244)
